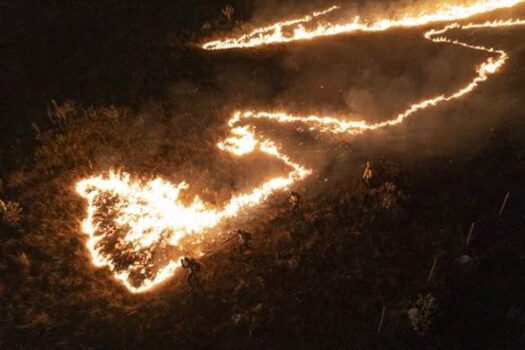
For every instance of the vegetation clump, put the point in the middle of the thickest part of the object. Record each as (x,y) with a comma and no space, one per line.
(421,314)
(10,212)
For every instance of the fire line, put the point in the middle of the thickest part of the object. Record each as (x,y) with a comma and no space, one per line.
(129,221)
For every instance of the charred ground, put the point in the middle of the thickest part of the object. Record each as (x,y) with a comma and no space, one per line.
(130,93)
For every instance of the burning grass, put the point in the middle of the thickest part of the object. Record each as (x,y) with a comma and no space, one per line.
(349,251)
(323,277)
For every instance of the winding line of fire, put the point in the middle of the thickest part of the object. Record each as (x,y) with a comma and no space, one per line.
(152,211)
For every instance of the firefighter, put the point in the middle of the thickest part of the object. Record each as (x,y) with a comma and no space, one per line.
(295,201)
(245,240)
(193,268)
(368,174)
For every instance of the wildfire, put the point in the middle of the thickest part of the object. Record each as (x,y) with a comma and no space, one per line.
(294,30)
(137,228)
(140,229)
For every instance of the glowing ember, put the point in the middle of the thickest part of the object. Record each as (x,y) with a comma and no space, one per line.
(139,230)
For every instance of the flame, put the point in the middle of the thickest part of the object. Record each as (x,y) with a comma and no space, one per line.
(128,220)
(294,30)
(136,228)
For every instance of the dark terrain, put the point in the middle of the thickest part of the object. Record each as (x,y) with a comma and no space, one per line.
(87,87)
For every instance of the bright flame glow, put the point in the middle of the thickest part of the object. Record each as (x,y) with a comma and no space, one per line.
(137,228)
(130,223)
(294,30)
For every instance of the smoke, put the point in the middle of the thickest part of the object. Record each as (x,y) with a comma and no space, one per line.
(269,11)
(369,77)
(376,76)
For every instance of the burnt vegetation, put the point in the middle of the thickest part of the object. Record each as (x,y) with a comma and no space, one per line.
(385,265)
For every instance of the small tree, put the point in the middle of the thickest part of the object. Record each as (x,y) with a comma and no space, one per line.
(228,12)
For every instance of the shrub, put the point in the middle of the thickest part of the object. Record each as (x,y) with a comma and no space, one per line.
(228,12)
(10,212)
(420,315)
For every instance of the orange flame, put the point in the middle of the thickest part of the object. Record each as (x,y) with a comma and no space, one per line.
(132,224)
(295,29)
(137,219)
